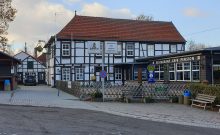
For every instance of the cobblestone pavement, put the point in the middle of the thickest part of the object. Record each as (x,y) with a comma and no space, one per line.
(162,112)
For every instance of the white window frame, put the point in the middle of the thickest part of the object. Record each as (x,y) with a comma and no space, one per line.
(66,49)
(159,71)
(183,70)
(196,70)
(130,49)
(79,73)
(172,71)
(118,73)
(101,48)
(66,74)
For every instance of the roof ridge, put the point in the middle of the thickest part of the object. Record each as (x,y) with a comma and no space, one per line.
(121,19)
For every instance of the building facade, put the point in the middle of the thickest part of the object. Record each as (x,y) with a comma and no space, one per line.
(190,66)
(30,66)
(8,70)
(68,56)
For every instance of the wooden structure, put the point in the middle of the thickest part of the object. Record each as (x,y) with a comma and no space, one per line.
(203,100)
(8,70)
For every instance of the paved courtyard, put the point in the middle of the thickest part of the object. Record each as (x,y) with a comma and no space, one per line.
(162,112)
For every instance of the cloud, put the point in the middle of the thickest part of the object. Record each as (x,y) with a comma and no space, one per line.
(97,9)
(35,20)
(73,1)
(194,12)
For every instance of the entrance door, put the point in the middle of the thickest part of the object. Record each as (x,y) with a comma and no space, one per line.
(41,78)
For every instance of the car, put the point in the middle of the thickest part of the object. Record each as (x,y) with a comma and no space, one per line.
(30,80)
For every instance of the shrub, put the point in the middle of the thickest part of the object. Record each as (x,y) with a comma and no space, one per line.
(196,88)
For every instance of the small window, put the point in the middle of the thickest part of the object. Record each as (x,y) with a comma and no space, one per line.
(173,48)
(150,50)
(66,74)
(119,48)
(65,49)
(130,49)
(30,64)
(118,74)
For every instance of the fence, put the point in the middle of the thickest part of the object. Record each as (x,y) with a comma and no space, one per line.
(131,89)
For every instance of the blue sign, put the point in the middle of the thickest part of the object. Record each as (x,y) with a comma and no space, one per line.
(151,78)
(103,74)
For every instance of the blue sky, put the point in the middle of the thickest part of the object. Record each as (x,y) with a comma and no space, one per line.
(197,20)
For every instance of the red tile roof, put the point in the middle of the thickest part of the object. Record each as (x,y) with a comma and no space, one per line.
(99,28)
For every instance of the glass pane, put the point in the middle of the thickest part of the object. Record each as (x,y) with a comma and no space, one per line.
(158,47)
(156,75)
(158,53)
(179,47)
(173,48)
(161,76)
(166,47)
(179,75)
(172,76)
(166,52)
(179,66)
(150,49)
(171,67)
(187,66)
(195,75)
(187,75)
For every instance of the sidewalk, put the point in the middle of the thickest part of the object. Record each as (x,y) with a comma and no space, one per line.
(162,112)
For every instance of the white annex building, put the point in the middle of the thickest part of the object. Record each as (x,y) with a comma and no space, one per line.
(30,66)
(68,52)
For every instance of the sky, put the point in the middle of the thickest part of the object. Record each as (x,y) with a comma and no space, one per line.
(196,20)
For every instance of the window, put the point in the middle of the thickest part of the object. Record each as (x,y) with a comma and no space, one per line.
(158,49)
(150,50)
(173,48)
(130,49)
(118,74)
(119,47)
(66,74)
(30,65)
(79,73)
(183,71)
(159,72)
(166,48)
(65,49)
(180,48)
(172,71)
(195,71)
(101,48)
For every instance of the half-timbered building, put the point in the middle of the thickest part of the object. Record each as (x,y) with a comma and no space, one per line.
(68,51)
(30,66)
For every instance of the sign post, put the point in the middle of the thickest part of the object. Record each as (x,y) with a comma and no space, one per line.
(151,75)
(109,47)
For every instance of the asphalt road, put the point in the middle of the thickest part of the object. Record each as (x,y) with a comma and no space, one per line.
(25,120)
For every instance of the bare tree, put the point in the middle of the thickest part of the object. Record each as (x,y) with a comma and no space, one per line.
(7,14)
(143,17)
(192,45)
